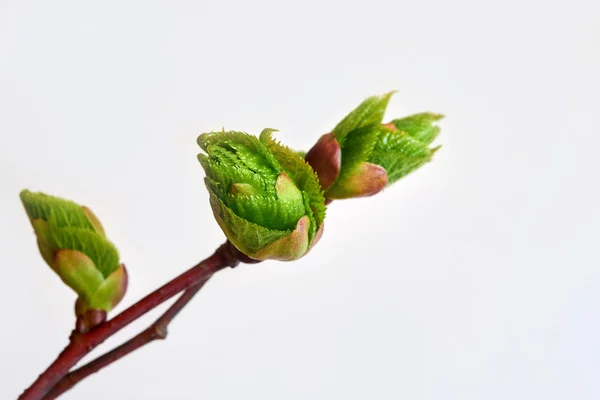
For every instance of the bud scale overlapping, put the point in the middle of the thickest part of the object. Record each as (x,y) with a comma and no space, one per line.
(361,156)
(265,197)
(73,243)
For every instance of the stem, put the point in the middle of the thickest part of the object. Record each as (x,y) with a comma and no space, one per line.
(82,343)
(157,331)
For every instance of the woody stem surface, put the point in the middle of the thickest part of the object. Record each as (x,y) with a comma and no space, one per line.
(157,331)
(82,343)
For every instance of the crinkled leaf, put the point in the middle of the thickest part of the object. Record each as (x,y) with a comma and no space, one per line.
(260,191)
(226,175)
(420,126)
(358,147)
(102,252)
(243,189)
(230,147)
(369,112)
(399,154)
(248,237)
(236,157)
(303,176)
(266,210)
(65,213)
(272,213)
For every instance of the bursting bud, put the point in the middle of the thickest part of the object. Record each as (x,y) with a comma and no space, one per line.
(361,156)
(264,196)
(73,243)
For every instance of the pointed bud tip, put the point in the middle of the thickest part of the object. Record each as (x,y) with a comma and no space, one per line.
(24,193)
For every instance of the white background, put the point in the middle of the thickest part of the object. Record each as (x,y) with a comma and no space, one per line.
(474,278)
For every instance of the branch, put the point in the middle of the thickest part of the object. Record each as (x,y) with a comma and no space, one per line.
(82,343)
(157,331)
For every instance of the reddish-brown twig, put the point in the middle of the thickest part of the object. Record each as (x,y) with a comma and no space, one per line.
(82,343)
(156,331)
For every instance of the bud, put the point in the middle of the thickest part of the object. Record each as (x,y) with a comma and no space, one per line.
(361,156)
(264,196)
(73,243)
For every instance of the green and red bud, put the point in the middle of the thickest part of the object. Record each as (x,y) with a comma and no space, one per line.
(264,196)
(362,156)
(72,241)
(326,159)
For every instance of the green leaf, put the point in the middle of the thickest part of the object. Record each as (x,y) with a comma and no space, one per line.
(303,176)
(93,220)
(243,189)
(369,112)
(399,153)
(65,213)
(261,192)
(357,149)
(270,212)
(102,252)
(233,149)
(420,126)
(237,157)
(224,176)
(248,237)
(78,272)
(45,242)
(110,292)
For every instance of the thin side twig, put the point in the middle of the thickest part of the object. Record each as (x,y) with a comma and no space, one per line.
(157,331)
(81,344)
